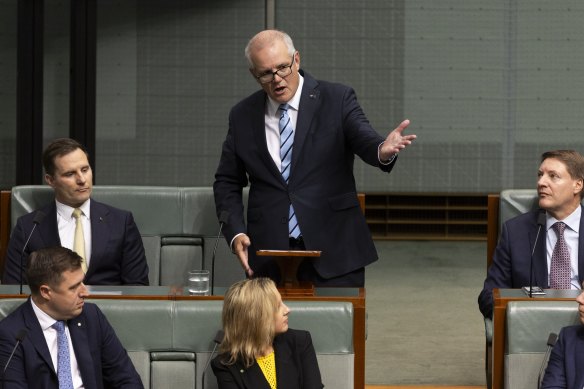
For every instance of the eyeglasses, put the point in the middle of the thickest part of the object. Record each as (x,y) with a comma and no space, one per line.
(283,71)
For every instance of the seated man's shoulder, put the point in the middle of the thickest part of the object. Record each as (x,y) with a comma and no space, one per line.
(104,211)
(107,207)
(91,309)
(523,219)
(575,331)
(45,209)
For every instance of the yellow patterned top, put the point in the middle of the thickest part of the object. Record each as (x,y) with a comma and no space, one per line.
(268,365)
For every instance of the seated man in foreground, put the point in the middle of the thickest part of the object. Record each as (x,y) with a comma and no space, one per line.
(105,237)
(558,254)
(64,343)
(565,368)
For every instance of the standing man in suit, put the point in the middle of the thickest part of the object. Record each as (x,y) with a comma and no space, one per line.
(295,142)
(565,369)
(111,243)
(560,190)
(63,340)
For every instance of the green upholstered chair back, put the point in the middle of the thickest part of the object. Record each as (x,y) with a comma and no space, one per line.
(178,227)
(529,324)
(170,342)
(514,202)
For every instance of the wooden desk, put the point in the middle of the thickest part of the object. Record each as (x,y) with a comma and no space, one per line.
(501,297)
(356,296)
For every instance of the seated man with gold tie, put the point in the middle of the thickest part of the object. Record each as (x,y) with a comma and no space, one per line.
(55,339)
(105,237)
(543,247)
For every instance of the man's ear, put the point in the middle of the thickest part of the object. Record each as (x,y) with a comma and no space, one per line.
(45,292)
(579,186)
(49,179)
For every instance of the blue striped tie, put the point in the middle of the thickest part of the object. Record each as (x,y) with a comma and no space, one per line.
(286,143)
(63,357)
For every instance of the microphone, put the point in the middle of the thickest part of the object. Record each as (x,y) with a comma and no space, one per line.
(218,339)
(223,218)
(552,339)
(19,338)
(540,223)
(38,218)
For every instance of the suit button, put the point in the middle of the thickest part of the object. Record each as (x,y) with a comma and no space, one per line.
(284,220)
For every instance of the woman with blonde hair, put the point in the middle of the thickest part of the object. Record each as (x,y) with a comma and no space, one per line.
(259,351)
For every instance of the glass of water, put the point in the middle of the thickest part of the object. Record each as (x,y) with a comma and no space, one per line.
(198,282)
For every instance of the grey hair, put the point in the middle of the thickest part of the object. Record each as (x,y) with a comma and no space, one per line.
(266,38)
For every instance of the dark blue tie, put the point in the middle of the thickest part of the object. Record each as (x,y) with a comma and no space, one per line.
(286,143)
(63,357)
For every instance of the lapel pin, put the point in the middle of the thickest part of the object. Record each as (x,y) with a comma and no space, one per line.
(78,324)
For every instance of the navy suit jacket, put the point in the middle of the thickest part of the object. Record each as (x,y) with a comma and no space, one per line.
(331,129)
(512,259)
(296,366)
(103,361)
(117,252)
(565,368)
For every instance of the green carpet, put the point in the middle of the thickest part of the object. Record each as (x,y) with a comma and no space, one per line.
(424,325)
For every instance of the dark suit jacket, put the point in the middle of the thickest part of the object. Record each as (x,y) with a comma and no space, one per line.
(566,365)
(117,253)
(296,366)
(103,361)
(330,130)
(512,259)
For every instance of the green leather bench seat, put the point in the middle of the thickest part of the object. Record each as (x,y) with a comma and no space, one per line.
(178,227)
(170,342)
(529,324)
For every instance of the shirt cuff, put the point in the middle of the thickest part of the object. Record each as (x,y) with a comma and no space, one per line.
(379,157)
(232,240)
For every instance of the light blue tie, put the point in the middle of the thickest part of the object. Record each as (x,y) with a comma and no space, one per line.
(286,143)
(63,357)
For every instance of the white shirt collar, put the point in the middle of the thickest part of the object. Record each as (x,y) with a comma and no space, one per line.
(66,212)
(572,221)
(44,319)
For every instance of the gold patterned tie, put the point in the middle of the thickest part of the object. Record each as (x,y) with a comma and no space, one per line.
(79,241)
